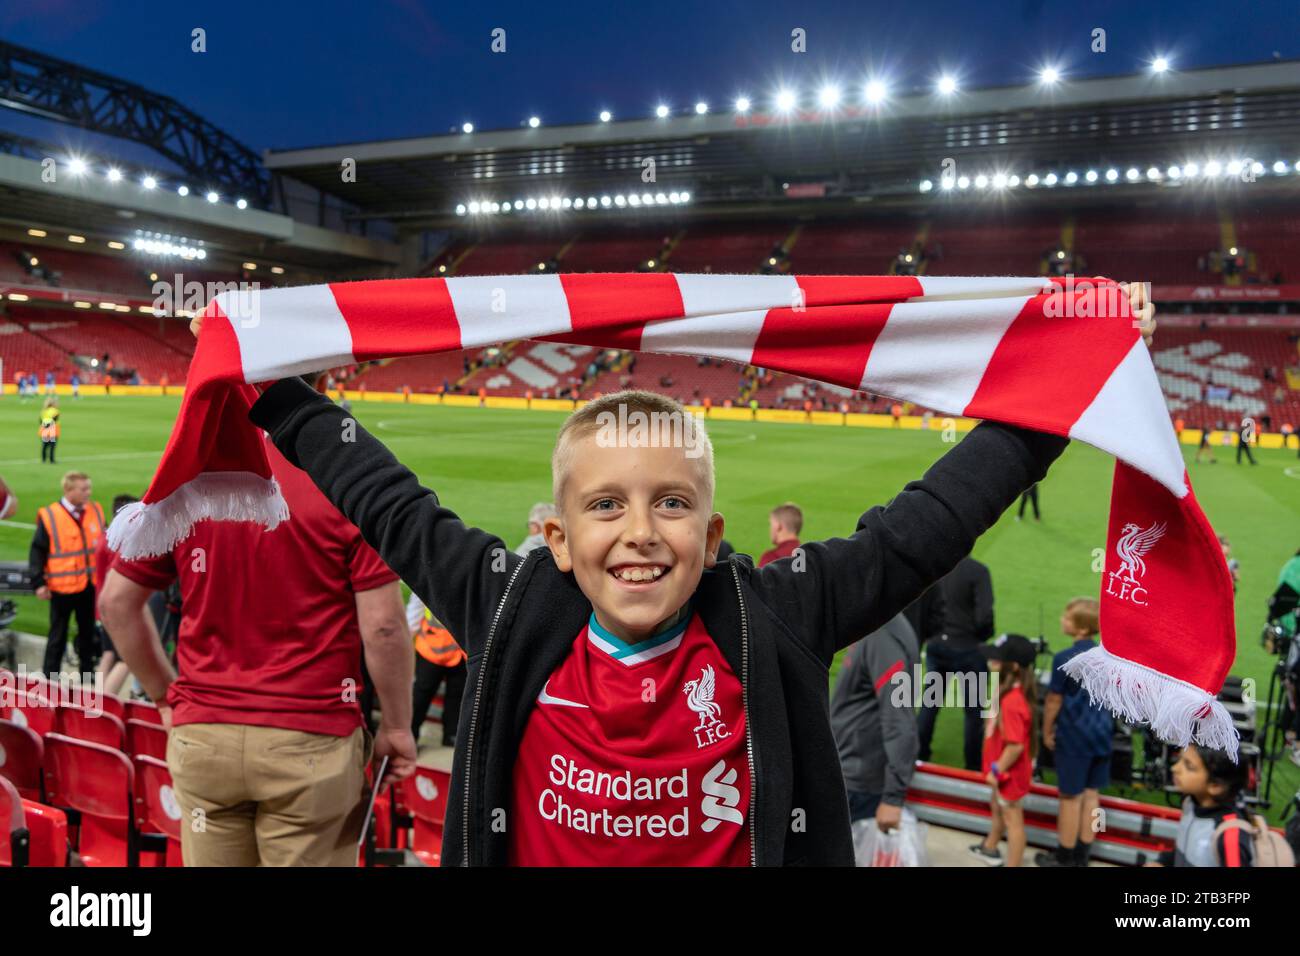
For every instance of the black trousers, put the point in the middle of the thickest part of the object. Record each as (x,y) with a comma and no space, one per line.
(62,608)
(428,677)
(1030,495)
(941,656)
(47,451)
(1244,447)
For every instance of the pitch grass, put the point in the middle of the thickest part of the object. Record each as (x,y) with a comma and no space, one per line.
(492,465)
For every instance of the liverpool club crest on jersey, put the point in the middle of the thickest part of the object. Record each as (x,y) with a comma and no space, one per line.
(699,698)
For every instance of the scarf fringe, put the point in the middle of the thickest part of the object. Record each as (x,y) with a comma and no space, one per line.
(142,530)
(1178,712)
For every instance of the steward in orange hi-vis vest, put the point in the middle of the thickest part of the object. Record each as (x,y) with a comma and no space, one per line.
(435,644)
(70,564)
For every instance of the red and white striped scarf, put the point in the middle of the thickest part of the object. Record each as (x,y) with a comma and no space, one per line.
(1039,353)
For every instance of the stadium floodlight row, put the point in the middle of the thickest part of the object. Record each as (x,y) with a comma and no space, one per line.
(1188,125)
(830,96)
(1244,170)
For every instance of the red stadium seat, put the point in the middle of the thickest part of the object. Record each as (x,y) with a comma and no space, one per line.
(22,756)
(15,840)
(73,721)
(97,783)
(146,740)
(156,809)
(48,827)
(425,793)
(108,703)
(37,714)
(141,710)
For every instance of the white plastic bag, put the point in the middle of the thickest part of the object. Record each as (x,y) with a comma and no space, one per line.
(903,846)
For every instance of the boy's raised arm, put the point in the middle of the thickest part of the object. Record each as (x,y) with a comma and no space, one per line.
(458,571)
(845,588)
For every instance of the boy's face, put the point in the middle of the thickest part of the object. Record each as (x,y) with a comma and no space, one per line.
(773,528)
(636,531)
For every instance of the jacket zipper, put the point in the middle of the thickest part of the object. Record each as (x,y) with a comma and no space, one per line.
(744,701)
(478,694)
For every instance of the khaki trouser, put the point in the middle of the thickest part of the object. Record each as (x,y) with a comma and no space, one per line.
(253,796)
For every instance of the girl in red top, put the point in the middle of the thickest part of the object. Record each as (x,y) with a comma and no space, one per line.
(1010,743)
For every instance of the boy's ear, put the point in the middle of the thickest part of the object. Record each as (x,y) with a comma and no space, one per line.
(558,542)
(713,539)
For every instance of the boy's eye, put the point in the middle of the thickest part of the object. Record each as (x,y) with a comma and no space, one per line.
(672,502)
(605,504)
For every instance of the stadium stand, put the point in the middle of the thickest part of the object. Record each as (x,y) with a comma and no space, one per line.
(852,246)
(1158,242)
(1218,376)
(1272,240)
(621,251)
(991,243)
(731,247)
(40,340)
(508,256)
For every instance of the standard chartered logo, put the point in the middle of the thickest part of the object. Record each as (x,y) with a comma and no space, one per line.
(720,797)
(656,807)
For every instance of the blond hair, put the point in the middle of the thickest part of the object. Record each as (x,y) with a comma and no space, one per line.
(1085,614)
(72,477)
(658,409)
(789,516)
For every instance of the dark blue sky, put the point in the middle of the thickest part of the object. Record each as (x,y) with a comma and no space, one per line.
(328,71)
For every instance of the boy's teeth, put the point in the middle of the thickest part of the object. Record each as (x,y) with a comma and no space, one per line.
(640,574)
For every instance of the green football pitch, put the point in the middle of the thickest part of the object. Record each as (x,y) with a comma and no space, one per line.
(492,465)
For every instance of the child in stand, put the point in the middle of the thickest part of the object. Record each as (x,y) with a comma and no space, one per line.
(1010,744)
(1212,786)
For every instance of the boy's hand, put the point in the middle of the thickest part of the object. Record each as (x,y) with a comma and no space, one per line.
(1144,310)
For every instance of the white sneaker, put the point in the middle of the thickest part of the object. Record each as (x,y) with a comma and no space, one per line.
(985,855)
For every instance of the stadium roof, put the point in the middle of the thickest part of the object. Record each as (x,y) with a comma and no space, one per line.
(752,163)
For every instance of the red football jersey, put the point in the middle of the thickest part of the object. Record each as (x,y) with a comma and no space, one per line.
(269,633)
(635,756)
(1011,726)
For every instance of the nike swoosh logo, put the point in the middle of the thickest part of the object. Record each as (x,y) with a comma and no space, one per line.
(545,698)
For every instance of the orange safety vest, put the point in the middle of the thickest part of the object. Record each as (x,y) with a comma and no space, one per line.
(49,424)
(70,565)
(435,644)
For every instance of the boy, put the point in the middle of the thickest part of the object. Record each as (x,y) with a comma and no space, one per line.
(630,698)
(1080,733)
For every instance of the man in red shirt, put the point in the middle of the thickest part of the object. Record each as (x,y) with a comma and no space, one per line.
(785,523)
(267,745)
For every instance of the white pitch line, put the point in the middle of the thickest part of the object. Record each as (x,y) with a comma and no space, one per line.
(18,524)
(20,462)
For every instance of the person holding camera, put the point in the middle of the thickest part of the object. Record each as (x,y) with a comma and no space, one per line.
(1288,621)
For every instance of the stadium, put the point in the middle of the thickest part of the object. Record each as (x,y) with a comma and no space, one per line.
(124,213)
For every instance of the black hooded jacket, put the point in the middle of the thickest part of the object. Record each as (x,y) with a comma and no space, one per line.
(777,627)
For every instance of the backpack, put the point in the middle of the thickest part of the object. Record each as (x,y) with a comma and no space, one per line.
(1269,848)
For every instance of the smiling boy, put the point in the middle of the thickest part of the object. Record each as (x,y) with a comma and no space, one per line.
(632,699)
